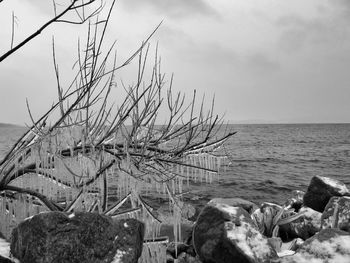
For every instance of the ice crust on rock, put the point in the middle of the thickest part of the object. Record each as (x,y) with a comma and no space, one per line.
(4,248)
(118,256)
(255,247)
(334,183)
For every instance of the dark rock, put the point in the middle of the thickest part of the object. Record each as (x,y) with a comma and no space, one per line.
(303,227)
(321,189)
(296,200)
(250,207)
(228,234)
(81,237)
(337,214)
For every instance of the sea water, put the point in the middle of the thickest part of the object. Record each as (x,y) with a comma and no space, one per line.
(265,161)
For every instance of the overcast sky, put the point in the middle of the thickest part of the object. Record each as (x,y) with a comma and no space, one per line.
(264,60)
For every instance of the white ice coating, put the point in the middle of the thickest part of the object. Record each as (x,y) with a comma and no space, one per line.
(336,250)
(228,209)
(118,256)
(71,215)
(4,248)
(255,246)
(334,183)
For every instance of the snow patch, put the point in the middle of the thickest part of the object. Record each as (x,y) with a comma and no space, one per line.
(126,224)
(254,245)
(312,215)
(334,250)
(118,256)
(285,253)
(71,215)
(232,210)
(334,183)
(4,248)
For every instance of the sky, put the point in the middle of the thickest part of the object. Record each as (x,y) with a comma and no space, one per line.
(265,61)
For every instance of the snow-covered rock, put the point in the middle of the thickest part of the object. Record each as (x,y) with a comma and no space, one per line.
(304,227)
(250,207)
(225,233)
(321,189)
(295,201)
(337,213)
(328,246)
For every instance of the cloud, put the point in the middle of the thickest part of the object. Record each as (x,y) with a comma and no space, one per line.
(261,63)
(172,8)
(44,7)
(323,31)
(343,5)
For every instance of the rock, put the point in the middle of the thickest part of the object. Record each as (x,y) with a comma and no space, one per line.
(250,207)
(296,200)
(228,234)
(80,237)
(303,227)
(327,246)
(321,189)
(337,214)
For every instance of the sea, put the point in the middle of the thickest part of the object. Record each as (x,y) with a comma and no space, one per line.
(266,162)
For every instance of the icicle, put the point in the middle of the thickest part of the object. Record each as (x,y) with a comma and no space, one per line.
(154,251)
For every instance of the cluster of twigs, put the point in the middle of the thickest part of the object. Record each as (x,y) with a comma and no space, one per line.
(86,128)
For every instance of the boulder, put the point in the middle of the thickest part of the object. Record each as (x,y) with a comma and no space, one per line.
(321,189)
(80,237)
(296,200)
(250,207)
(327,246)
(228,234)
(337,214)
(303,227)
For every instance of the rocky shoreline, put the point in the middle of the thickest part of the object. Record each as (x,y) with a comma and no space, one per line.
(311,226)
